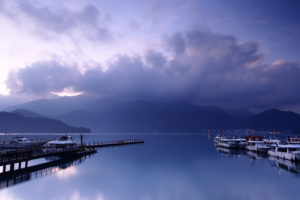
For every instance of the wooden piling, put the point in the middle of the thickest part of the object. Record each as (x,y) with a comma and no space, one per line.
(12,167)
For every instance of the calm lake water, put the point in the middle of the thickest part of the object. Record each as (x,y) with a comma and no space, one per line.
(175,167)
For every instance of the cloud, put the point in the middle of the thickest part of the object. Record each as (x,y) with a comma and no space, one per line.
(155,59)
(51,20)
(67,173)
(42,78)
(206,68)
(5,194)
(76,195)
(177,43)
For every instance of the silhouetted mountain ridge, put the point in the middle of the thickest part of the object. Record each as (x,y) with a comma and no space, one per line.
(157,116)
(149,116)
(26,113)
(274,119)
(61,105)
(17,123)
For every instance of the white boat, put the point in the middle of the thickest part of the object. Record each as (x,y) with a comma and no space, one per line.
(241,143)
(287,151)
(227,143)
(62,142)
(293,140)
(218,138)
(257,146)
(222,141)
(22,142)
(272,142)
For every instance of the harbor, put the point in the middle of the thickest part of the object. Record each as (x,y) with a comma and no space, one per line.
(288,149)
(158,163)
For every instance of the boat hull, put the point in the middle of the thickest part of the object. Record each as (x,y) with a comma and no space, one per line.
(22,145)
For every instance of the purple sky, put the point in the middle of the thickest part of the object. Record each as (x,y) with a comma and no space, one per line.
(232,54)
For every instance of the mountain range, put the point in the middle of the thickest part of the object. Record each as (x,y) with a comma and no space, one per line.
(14,122)
(61,105)
(140,116)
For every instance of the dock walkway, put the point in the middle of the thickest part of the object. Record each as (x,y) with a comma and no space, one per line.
(113,143)
(24,155)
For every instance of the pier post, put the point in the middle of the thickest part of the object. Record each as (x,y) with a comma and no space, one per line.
(26,163)
(12,167)
(20,165)
(4,168)
(81,141)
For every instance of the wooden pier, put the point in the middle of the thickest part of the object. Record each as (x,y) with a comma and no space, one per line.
(18,159)
(113,143)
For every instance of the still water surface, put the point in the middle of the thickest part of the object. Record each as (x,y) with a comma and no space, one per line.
(175,167)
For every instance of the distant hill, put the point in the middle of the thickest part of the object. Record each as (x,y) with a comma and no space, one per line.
(274,119)
(240,113)
(148,116)
(26,113)
(101,115)
(17,123)
(61,105)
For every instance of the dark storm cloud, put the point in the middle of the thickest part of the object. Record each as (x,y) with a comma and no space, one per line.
(128,77)
(177,43)
(283,78)
(155,59)
(42,78)
(208,68)
(275,23)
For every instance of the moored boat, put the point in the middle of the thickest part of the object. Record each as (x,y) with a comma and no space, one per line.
(293,140)
(272,142)
(257,146)
(241,143)
(218,138)
(22,142)
(228,143)
(288,151)
(62,142)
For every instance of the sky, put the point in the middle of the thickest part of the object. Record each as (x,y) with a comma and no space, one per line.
(241,54)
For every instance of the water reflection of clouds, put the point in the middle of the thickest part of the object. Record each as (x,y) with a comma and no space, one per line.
(8,195)
(236,181)
(64,174)
(77,196)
